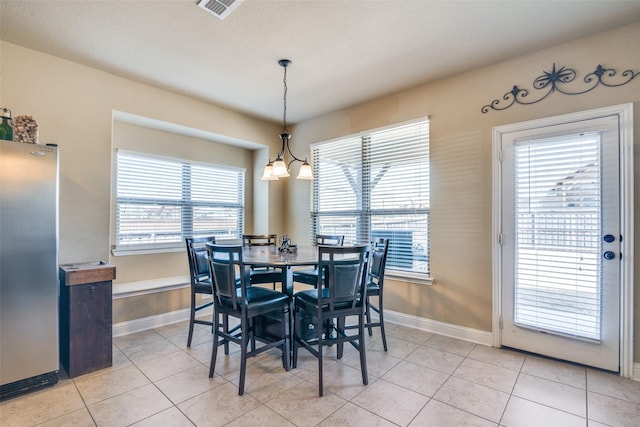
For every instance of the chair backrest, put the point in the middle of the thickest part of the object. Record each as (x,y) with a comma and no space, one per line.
(197,255)
(329,240)
(259,239)
(342,283)
(378,260)
(226,265)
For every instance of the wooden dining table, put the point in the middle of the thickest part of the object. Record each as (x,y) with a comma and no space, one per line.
(270,256)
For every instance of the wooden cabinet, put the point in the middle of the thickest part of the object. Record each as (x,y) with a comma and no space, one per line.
(85,317)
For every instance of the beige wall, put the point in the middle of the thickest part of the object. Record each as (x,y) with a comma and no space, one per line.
(461,164)
(73,105)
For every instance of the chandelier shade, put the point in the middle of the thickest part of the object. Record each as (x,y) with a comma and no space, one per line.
(279,168)
(305,171)
(267,174)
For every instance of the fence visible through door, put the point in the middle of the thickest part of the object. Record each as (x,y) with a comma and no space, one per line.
(560,235)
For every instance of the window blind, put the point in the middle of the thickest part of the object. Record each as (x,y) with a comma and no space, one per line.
(161,201)
(377,185)
(558,217)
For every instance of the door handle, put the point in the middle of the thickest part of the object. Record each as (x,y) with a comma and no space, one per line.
(609,238)
(609,255)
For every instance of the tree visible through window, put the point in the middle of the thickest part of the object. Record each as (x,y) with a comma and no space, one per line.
(377,185)
(161,201)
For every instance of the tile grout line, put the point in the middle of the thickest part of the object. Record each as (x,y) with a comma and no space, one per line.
(559,378)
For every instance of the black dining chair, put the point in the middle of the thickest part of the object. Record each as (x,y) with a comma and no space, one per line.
(245,303)
(339,293)
(200,280)
(310,276)
(375,286)
(261,275)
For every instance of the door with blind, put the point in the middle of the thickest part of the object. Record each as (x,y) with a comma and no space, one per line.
(560,240)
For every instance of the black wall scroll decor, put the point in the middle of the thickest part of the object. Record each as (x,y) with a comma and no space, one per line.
(552,81)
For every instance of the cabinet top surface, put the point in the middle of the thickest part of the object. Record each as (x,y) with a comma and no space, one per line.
(87,272)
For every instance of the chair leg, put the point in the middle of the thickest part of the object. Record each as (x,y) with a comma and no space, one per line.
(295,337)
(213,322)
(328,329)
(340,346)
(361,349)
(244,342)
(286,355)
(251,328)
(320,387)
(214,350)
(368,314)
(225,326)
(381,318)
(192,318)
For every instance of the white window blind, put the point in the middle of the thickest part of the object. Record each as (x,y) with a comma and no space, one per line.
(558,229)
(377,185)
(161,201)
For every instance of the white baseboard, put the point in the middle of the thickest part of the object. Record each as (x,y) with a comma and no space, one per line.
(440,328)
(145,323)
(454,331)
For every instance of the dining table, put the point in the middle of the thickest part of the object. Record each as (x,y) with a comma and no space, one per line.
(271,256)
(285,261)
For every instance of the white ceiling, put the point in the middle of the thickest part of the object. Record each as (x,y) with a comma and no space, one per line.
(344,51)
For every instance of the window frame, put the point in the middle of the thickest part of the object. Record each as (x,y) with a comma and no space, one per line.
(363,213)
(185,204)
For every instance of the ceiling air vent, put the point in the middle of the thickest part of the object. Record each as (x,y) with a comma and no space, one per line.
(219,8)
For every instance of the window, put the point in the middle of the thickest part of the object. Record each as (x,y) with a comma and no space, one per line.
(160,201)
(558,234)
(377,185)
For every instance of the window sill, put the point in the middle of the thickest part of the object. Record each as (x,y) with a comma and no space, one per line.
(124,251)
(147,251)
(418,279)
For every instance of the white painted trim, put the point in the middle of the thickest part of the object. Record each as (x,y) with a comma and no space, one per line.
(150,322)
(636,372)
(625,114)
(496,229)
(627,249)
(170,127)
(408,277)
(440,328)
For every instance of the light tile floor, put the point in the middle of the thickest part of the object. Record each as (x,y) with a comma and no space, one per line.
(423,380)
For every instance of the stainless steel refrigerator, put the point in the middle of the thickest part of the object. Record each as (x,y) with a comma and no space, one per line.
(29,356)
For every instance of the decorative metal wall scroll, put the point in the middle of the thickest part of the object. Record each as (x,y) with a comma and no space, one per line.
(553,81)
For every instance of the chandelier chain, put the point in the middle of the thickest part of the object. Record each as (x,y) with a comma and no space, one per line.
(284,113)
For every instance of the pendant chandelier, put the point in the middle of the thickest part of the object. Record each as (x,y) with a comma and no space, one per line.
(278,168)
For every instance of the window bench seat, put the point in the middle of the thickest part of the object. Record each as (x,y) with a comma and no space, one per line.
(144,287)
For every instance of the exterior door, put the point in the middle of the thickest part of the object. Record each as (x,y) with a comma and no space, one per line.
(561,241)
